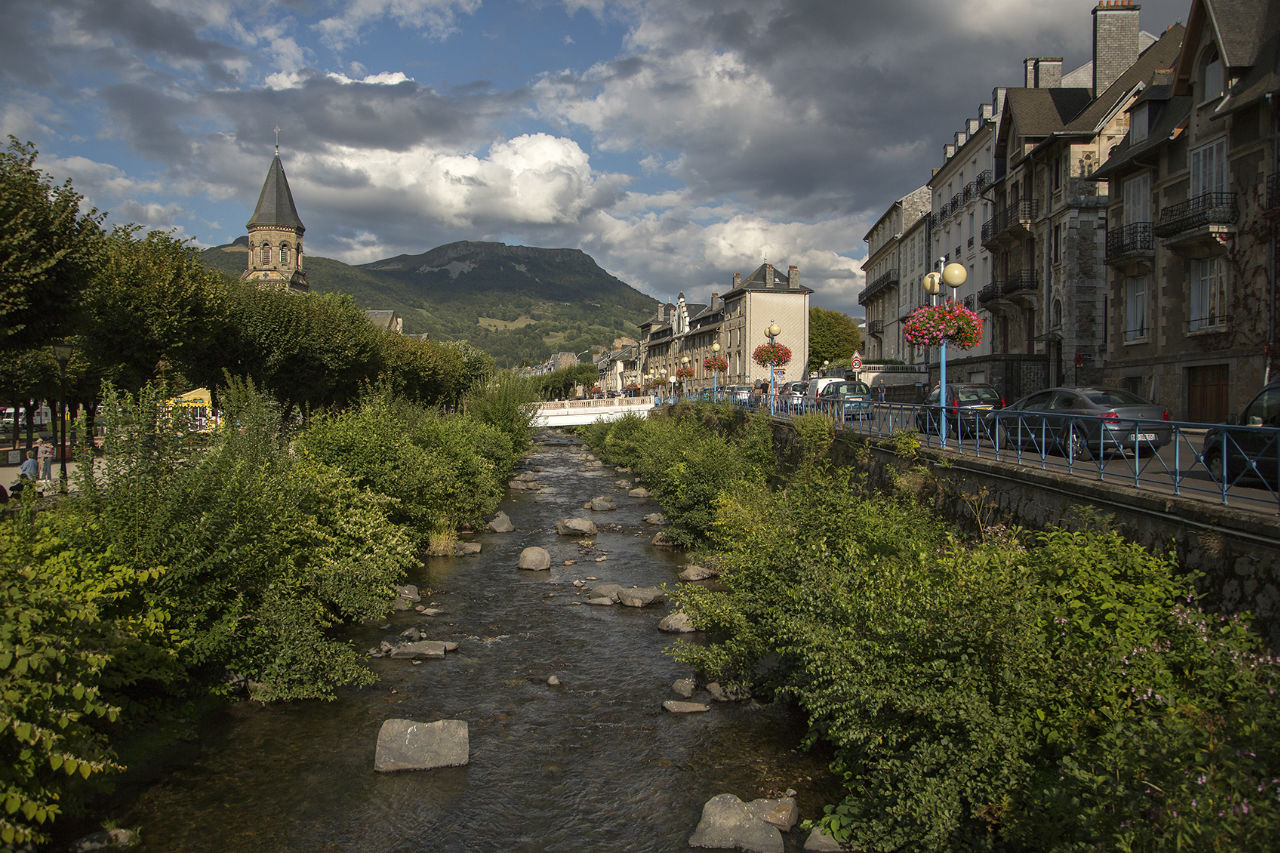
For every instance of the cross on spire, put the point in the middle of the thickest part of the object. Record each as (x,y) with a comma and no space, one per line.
(277,140)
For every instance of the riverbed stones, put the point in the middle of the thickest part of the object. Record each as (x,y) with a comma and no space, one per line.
(553,681)
(412,745)
(601,601)
(535,559)
(675,706)
(107,839)
(697,573)
(418,650)
(638,492)
(501,523)
(640,596)
(655,518)
(676,623)
(602,503)
(781,812)
(465,549)
(720,694)
(684,687)
(606,590)
(728,823)
(576,527)
(660,540)
(408,592)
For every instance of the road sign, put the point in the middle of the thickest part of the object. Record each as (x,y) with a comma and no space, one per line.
(856,361)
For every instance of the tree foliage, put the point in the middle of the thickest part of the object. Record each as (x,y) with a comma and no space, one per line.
(833,336)
(48,250)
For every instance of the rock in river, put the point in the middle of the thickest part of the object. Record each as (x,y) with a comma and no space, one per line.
(575,527)
(602,503)
(639,596)
(676,623)
(410,745)
(501,523)
(729,823)
(677,707)
(638,492)
(535,558)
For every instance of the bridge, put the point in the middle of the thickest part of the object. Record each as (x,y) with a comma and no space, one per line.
(560,413)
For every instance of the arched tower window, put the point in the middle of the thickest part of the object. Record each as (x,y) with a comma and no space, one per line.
(284,254)
(264,255)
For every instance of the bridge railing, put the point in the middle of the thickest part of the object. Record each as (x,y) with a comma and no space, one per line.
(1239,465)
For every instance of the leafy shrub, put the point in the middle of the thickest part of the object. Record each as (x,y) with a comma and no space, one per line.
(509,404)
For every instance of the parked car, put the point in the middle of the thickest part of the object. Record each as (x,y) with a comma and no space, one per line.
(738,393)
(1086,421)
(815,388)
(845,398)
(1250,442)
(965,403)
(792,395)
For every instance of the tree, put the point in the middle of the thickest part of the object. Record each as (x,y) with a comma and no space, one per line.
(833,336)
(47,251)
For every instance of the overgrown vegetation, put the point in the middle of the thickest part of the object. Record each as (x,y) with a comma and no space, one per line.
(1012,691)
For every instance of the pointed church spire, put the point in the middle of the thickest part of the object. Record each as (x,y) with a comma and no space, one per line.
(275,203)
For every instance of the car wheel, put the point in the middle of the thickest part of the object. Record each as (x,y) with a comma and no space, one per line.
(1075,443)
(1213,463)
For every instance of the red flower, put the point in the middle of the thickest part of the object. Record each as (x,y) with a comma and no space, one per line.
(771,355)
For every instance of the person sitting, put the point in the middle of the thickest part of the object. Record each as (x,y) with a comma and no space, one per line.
(29,472)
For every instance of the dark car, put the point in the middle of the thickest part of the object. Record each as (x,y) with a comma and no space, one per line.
(845,399)
(1250,443)
(1086,422)
(966,403)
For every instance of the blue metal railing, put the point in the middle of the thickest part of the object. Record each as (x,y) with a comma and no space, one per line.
(1240,466)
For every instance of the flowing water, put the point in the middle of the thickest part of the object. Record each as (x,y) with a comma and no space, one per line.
(594,764)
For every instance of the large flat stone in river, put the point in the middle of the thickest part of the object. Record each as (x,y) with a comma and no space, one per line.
(411,745)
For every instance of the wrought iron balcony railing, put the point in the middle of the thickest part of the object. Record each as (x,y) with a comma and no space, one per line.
(1128,240)
(984,179)
(989,293)
(1023,282)
(875,327)
(1212,208)
(879,283)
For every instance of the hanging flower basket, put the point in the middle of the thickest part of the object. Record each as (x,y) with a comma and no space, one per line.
(771,355)
(929,325)
(716,363)
(685,372)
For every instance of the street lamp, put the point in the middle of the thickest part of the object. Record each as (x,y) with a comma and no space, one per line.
(952,275)
(684,375)
(62,352)
(826,362)
(772,332)
(715,371)
(662,383)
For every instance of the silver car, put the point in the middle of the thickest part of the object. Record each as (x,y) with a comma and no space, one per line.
(1085,422)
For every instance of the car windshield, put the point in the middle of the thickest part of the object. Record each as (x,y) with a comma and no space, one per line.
(845,389)
(1114,398)
(976,394)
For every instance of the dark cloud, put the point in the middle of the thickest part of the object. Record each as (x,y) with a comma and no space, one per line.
(148,120)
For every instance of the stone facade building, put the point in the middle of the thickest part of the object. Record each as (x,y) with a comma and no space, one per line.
(1194,207)
(887,255)
(737,321)
(275,235)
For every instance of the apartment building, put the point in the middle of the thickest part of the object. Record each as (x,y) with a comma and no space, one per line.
(1193,211)
(887,255)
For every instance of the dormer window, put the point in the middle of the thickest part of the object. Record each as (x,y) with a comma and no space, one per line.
(1138,124)
(1211,76)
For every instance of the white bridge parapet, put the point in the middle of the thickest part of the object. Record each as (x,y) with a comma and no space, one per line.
(558,413)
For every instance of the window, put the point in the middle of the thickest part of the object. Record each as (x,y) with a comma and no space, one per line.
(1137,199)
(1135,308)
(1138,124)
(265,255)
(1211,77)
(1208,294)
(1057,243)
(1209,168)
(1057,313)
(284,254)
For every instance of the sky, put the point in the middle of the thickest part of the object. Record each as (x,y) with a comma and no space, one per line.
(675,141)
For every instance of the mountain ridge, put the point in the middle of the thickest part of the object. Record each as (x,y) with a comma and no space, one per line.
(519,303)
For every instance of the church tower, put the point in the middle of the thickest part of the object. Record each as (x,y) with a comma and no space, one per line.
(275,235)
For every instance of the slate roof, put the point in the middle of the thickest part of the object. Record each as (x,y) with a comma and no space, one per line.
(275,203)
(759,280)
(1159,56)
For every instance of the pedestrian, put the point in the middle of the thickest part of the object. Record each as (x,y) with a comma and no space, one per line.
(46,452)
(27,473)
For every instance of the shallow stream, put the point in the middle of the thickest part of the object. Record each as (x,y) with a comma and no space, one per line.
(593,764)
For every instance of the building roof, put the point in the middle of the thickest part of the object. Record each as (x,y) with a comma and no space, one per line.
(1039,112)
(1148,65)
(765,277)
(275,203)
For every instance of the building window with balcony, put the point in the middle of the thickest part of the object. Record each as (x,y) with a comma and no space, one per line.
(1137,199)
(1209,168)
(1208,294)
(1135,308)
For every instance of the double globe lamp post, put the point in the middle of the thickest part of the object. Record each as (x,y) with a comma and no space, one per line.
(952,275)
(684,376)
(772,333)
(715,371)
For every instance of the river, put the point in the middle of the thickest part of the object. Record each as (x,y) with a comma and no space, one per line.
(594,764)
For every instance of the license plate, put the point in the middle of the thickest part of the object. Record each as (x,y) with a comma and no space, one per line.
(1146,436)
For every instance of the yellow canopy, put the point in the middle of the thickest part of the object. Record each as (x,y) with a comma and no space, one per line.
(195,397)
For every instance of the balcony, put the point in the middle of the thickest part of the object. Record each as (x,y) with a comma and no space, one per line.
(984,180)
(957,202)
(970,190)
(1130,243)
(988,294)
(880,283)
(875,327)
(1199,225)
(944,212)
(1024,284)
(1010,224)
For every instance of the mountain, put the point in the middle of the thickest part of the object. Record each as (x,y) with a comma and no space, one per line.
(518,303)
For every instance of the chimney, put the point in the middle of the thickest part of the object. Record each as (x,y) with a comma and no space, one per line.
(961,138)
(1115,41)
(1042,72)
(948,151)
(972,125)
(768,275)
(737,279)
(793,277)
